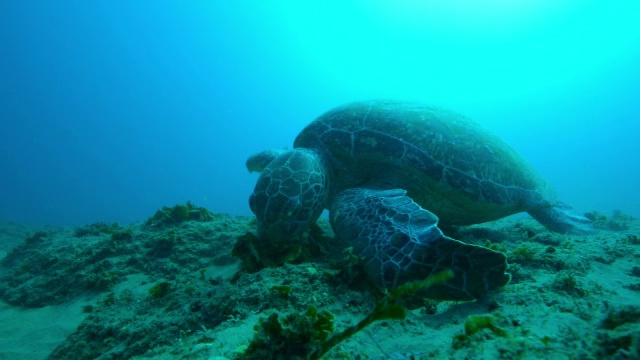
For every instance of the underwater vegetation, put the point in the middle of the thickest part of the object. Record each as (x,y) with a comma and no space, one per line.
(160,289)
(187,296)
(170,216)
(311,335)
(473,325)
(617,222)
(57,266)
(95,229)
(255,255)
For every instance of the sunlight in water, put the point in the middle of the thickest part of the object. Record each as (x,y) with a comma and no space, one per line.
(494,50)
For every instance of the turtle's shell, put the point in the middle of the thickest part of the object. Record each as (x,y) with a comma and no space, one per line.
(447,163)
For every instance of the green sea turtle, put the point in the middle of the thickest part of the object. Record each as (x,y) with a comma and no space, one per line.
(384,170)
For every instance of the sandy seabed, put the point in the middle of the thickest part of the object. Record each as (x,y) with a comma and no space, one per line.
(163,289)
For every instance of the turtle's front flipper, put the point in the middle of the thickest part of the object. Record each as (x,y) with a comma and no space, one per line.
(257,162)
(400,242)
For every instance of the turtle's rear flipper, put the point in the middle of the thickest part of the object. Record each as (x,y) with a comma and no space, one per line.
(401,242)
(562,219)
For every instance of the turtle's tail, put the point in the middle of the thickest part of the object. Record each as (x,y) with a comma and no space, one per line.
(560,218)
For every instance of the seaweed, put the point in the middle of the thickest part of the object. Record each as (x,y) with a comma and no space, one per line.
(310,335)
(632,239)
(171,216)
(566,282)
(14,257)
(619,221)
(160,289)
(475,324)
(620,316)
(95,229)
(283,290)
(122,234)
(621,340)
(523,254)
(163,247)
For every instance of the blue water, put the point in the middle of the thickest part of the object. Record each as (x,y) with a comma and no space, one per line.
(112,109)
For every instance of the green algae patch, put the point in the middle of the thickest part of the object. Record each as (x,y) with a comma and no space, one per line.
(283,290)
(160,290)
(311,335)
(171,216)
(475,324)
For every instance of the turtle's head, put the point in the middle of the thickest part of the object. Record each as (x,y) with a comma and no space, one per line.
(290,194)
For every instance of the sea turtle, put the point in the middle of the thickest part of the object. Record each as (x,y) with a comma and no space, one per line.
(384,170)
